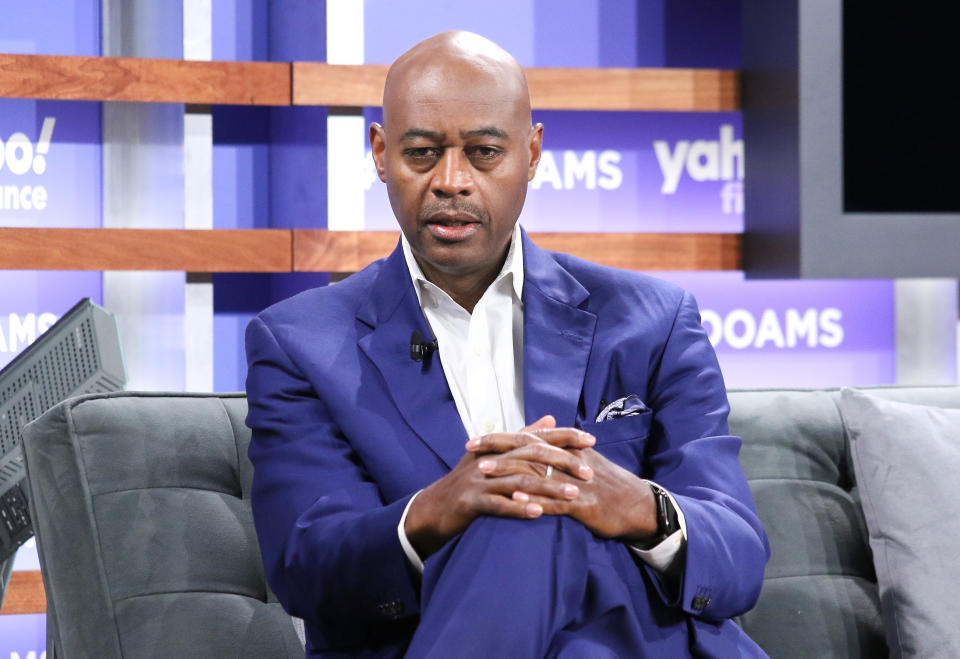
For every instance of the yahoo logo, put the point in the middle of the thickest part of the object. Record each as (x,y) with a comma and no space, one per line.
(740,328)
(19,157)
(705,160)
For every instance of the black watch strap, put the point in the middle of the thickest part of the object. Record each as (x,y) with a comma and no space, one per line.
(667,520)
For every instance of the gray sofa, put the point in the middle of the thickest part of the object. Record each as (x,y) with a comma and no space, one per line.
(820,596)
(148,550)
(145,533)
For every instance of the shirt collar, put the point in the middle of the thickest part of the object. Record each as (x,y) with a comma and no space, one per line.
(512,266)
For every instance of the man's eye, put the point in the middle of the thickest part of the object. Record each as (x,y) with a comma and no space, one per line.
(485,152)
(422,153)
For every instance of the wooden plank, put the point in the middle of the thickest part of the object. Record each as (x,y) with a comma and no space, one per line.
(650,251)
(315,83)
(675,90)
(317,250)
(79,78)
(231,250)
(663,90)
(344,85)
(25,594)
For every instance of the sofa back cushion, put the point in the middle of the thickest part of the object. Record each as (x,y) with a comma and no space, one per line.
(820,594)
(145,532)
(907,458)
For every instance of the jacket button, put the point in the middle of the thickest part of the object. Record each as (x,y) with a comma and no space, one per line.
(700,603)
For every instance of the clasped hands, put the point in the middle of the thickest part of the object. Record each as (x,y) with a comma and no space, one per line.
(504,474)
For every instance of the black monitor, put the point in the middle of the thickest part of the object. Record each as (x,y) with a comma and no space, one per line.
(78,354)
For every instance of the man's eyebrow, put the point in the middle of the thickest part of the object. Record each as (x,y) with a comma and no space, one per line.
(486,131)
(414,133)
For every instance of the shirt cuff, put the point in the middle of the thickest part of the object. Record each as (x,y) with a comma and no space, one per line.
(661,556)
(405,543)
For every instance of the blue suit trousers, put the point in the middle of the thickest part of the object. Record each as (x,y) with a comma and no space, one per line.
(540,588)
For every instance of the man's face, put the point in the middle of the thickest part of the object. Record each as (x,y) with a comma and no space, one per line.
(456,152)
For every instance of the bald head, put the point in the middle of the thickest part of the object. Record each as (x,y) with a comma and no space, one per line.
(456,150)
(456,66)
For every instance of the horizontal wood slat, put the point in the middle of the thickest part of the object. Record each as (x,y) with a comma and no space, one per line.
(650,251)
(663,90)
(235,250)
(315,83)
(319,250)
(343,85)
(25,594)
(77,78)
(347,251)
(675,90)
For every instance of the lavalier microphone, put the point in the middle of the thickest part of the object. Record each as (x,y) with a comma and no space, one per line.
(419,348)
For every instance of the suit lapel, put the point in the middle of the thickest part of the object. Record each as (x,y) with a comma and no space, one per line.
(419,389)
(557,337)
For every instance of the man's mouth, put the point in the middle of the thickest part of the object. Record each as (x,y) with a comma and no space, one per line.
(452,219)
(452,227)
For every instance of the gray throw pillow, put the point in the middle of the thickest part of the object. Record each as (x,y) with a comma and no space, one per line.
(907,464)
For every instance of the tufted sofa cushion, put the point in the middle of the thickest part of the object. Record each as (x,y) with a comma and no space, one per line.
(145,534)
(820,594)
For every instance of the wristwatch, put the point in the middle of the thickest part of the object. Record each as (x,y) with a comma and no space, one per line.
(667,521)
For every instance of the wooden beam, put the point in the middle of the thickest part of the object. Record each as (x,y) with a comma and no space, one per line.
(25,594)
(345,85)
(649,251)
(224,250)
(77,78)
(65,77)
(319,250)
(674,90)
(661,90)
(316,250)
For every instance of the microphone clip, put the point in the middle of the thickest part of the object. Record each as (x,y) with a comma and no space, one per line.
(420,349)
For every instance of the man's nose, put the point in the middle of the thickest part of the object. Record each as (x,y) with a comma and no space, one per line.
(453,175)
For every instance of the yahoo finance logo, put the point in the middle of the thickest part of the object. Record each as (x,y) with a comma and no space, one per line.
(705,160)
(20,157)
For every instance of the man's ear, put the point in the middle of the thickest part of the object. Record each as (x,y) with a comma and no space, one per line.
(536,148)
(378,145)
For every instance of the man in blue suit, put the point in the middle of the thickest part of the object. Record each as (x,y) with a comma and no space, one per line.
(476,448)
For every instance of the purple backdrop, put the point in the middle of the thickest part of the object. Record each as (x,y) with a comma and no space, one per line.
(797,333)
(49,177)
(621,171)
(269,165)
(600,172)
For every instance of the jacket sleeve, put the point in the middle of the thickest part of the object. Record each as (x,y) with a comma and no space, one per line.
(693,456)
(329,543)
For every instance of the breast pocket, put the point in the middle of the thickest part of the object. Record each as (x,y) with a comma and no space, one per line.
(620,429)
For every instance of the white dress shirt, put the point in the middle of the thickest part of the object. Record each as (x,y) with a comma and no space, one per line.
(482,358)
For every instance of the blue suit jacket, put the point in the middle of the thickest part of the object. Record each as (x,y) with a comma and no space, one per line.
(346,427)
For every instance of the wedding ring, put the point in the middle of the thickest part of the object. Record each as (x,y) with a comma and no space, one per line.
(549,471)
